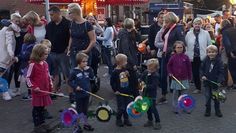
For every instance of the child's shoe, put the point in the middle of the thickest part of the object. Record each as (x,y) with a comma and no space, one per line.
(127,123)
(148,124)
(88,128)
(119,123)
(46,127)
(78,129)
(218,113)
(6,96)
(208,112)
(27,97)
(157,126)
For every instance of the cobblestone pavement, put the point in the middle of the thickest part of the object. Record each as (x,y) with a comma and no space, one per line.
(15,116)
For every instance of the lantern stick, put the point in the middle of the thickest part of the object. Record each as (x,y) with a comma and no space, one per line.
(93,94)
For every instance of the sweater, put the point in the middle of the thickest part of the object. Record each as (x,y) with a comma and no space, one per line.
(204,41)
(180,66)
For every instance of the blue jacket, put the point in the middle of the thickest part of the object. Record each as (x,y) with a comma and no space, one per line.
(81,78)
(213,70)
(151,81)
(24,55)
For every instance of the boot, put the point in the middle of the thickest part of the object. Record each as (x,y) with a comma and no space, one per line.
(148,124)
(127,123)
(218,113)
(119,123)
(208,112)
(157,126)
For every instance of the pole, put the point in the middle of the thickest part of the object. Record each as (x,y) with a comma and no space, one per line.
(46,10)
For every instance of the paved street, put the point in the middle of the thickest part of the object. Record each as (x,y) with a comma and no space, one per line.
(16,117)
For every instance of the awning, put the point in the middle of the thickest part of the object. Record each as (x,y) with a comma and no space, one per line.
(99,2)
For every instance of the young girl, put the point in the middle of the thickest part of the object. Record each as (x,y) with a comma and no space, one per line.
(179,66)
(38,80)
(79,80)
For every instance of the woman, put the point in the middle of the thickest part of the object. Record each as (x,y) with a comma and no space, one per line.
(127,46)
(107,43)
(82,35)
(173,32)
(197,41)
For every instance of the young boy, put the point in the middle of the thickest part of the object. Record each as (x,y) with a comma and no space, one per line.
(79,80)
(120,84)
(212,71)
(151,79)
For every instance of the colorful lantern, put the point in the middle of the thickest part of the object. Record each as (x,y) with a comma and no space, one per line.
(186,102)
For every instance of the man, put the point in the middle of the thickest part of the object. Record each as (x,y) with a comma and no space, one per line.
(218,20)
(227,15)
(57,31)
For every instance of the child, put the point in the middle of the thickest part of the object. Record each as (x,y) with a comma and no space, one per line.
(151,79)
(79,80)
(212,70)
(120,84)
(179,66)
(24,57)
(38,79)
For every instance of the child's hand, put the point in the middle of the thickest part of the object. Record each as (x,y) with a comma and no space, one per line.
(204,78)
(117,93)
(37,89)
(170,74)
(68,53)
(78,88)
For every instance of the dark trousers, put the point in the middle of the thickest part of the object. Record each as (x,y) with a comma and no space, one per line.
(153,110)
(106,55)
(208,95)
(232,68)
(163,74)
(122,103)
(38,115)
(82,105)
(196,64)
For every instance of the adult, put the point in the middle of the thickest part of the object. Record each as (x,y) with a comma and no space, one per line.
(82,34)
(107,43)
(153,29)
(227,15)
(173,32)
(197,40)
(58,33)
(127,46)
(229,43)
(36,25)
(218,19)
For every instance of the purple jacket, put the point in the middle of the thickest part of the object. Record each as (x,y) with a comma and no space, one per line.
(180,66)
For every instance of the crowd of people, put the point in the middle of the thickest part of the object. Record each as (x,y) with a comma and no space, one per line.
(44,54)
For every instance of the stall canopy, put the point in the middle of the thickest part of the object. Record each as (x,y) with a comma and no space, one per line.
(99,2)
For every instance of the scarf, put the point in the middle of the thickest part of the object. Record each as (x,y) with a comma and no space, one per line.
(166,38)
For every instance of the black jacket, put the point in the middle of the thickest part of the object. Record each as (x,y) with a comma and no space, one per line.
(152,81)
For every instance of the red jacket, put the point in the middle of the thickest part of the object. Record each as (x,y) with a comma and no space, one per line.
(38,76)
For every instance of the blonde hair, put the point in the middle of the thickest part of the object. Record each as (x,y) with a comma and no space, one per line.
(75,7)
(128,23)
(29,38)
(171,17)
(46,42)
(38,52)
(120,58)
(80,57)
(153,63)
(196,20)
(212,47)
(33,16)
(15,15)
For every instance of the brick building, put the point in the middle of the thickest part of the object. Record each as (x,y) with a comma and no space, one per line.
(10,6)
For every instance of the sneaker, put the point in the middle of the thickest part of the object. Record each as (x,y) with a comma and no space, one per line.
(157,126)
(6,96)
(196,91)
(88,128)
(148,124)
(127,123)
(27,98)
(119,123)
(162,101)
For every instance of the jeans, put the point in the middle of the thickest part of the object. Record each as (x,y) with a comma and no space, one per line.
(106,54)
(122,103)
(196,64)
(208,95)
(153,110)
(163,73)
